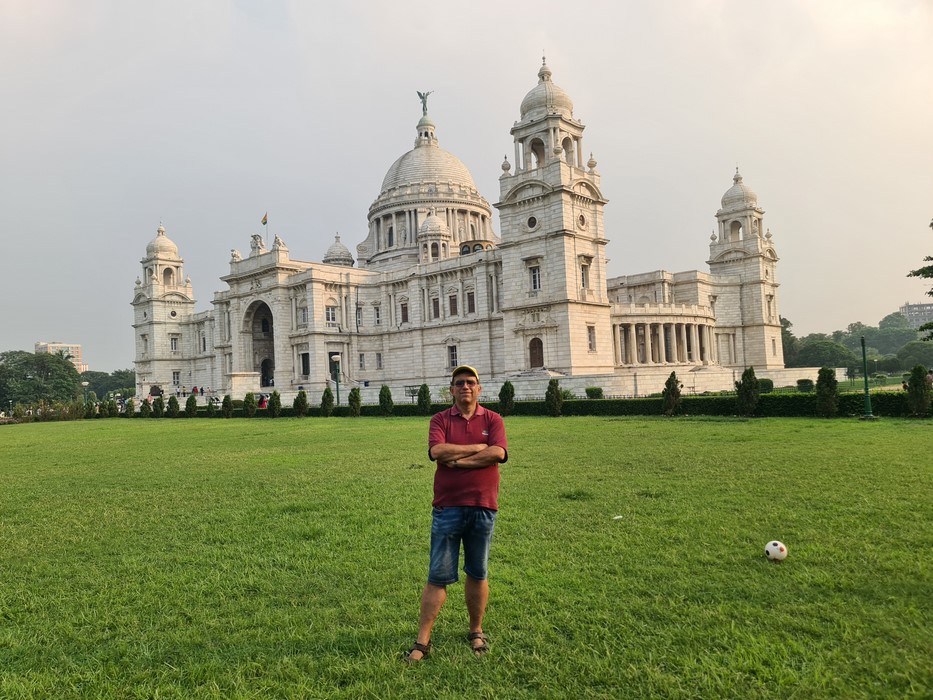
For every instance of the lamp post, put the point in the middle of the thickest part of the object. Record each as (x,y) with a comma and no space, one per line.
(84,386)
(868,415)
(335,358)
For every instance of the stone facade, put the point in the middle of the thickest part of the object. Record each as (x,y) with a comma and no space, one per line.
(434,286)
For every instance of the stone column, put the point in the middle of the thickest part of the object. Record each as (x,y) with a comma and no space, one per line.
(632,345)
(695,337)
(649,345)
(683,342)
(662,345)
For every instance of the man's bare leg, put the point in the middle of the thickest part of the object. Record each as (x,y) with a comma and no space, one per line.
(432,599)
(477,595)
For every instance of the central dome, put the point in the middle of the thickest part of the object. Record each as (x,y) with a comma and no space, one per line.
(427,163)
(162,245)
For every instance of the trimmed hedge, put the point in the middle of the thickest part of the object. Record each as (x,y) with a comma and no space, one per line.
(891,404)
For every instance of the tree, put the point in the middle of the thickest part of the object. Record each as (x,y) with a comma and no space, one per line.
(327,402)
(158,407)
(249,404)
(424,400)
(506,398)
(827,392)
(26,378)
(355,402)
(825,353)
(173,407)
(300,404)
(226,407)
(275,404)
(789,342)
(918,391)
(385,400)
(916,353)
(553,398)
(747,391)
(896,320)
(145,409)
(670,395)
(191,407)
(211,409)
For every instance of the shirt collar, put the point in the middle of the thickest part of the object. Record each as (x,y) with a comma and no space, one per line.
(455,410)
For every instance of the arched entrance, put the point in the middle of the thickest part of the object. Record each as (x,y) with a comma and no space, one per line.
(260,326)
(536,353)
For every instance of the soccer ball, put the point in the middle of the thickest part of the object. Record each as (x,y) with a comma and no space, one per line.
(775,551)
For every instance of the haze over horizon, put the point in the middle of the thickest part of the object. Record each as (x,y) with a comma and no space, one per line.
(203,116)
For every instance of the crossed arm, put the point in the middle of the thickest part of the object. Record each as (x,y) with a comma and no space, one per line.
(467,456)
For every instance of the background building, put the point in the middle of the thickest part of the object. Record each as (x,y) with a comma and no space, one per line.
(917,314)
(434,285)
(71,350)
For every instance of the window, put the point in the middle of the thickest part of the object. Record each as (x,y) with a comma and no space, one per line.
(306,363)
(377,315)
(585,276)
(362,360)
(404,312)
(378,360)
(465,249)
(452,356)
(203,343)
(535,272)
(359,316)
(591,337)
(174,344)
(471,303)
(303,315)
(453,305)
(145,343)
(330,315)
(176,377)
(535,317)
(435,308)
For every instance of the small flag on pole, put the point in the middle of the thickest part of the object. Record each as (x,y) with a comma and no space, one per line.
(265,218)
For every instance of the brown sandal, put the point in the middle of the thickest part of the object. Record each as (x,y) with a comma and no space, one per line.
(425,650)
(480,649)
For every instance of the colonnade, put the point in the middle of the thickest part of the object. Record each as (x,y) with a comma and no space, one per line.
(661,343)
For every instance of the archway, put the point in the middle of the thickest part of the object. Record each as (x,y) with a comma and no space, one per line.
(259,327)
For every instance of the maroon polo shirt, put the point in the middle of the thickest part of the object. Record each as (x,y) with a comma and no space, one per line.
(467,487)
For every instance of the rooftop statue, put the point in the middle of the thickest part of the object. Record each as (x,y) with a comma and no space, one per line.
(424,101)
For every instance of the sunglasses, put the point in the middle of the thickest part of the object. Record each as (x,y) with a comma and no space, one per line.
(465,382)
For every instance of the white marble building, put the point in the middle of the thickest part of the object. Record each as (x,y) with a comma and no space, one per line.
(433,285)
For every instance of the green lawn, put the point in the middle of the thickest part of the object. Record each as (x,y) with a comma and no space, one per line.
(285,558)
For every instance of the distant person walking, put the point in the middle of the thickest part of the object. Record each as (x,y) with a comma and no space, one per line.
(468,442)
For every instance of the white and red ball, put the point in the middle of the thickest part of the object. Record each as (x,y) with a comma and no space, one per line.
(776,551)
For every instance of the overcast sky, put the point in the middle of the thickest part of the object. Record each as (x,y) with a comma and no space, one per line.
(205,114)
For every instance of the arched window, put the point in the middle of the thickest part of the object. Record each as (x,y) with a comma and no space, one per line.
(465,249)
(537,153)
(536,353)
(478,247)
(391,236)
(567,145)
(435,251)
(735,231)
(168,277)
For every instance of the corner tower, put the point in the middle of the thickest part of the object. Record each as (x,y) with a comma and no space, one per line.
(554,302)
(163,304)
(748,324)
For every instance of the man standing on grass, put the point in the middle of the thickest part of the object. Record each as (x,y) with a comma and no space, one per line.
(468,442)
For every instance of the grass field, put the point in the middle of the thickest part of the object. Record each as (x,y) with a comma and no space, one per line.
(285,558)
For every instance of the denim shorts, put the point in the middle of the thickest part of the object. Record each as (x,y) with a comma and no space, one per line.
(449,527)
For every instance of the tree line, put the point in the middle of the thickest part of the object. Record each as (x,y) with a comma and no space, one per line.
(892,346)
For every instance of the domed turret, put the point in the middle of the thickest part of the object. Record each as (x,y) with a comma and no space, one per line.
(739,196)
(338,254)
(434,227)
(546,98)
(161,246)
